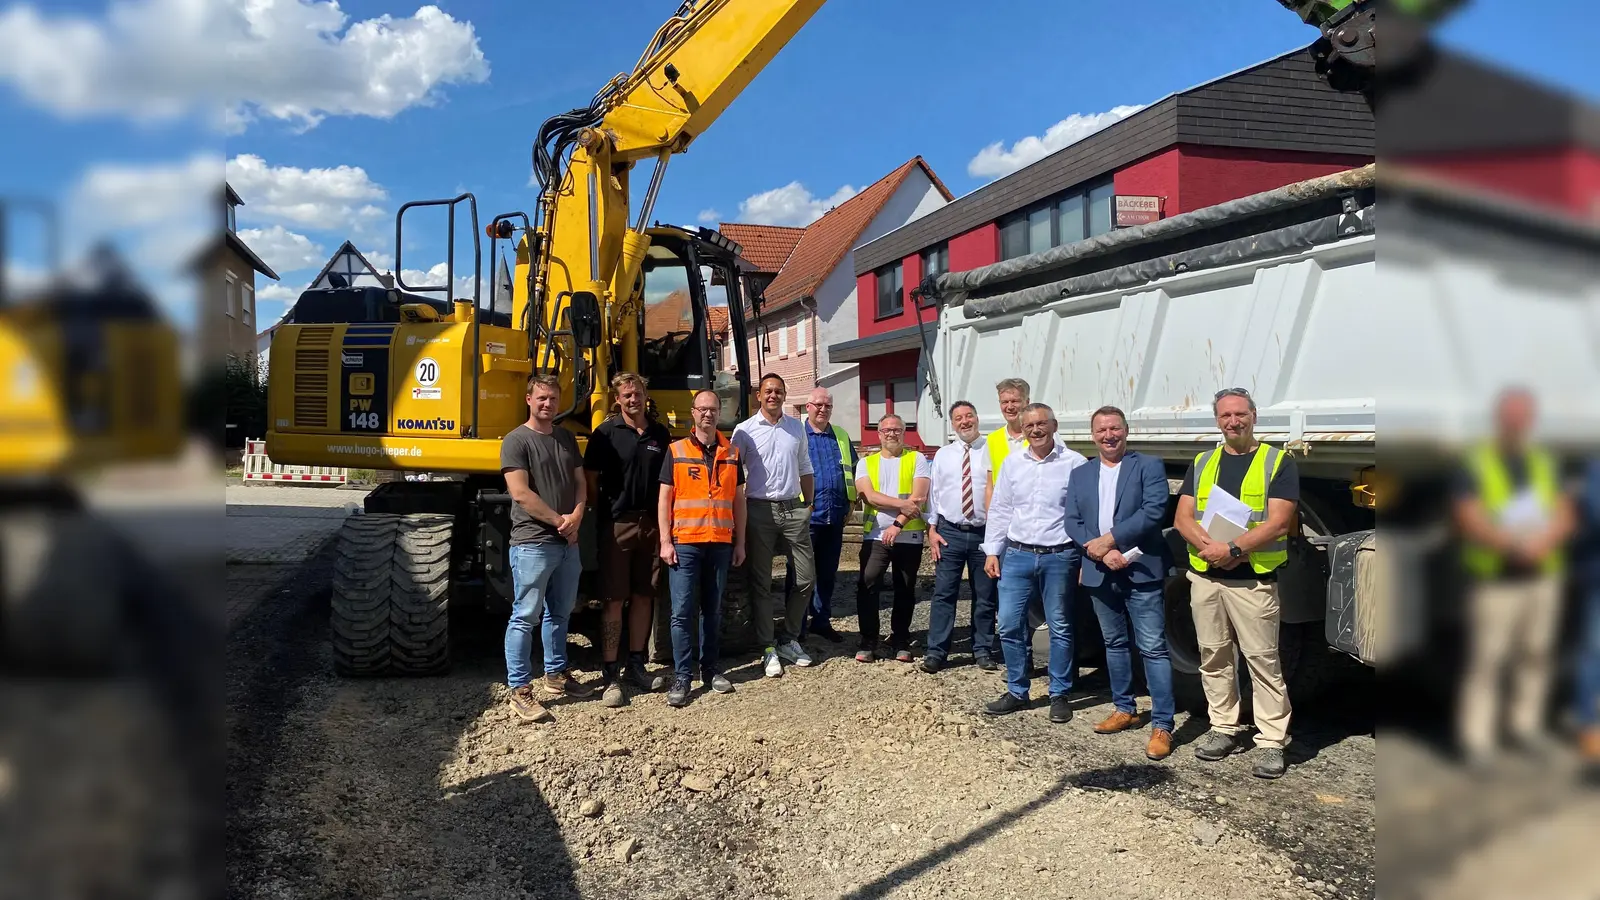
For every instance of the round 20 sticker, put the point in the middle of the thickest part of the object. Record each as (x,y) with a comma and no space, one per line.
(427,372)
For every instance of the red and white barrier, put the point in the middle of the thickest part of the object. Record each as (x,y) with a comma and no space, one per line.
(257,467)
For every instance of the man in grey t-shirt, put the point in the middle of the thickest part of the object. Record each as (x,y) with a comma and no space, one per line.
(544,475)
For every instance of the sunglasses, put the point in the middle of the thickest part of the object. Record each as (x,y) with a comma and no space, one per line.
(1230,392)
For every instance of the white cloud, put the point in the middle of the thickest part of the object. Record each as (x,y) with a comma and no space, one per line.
(121,195)
(435,276)
(274,292)
(709,216)
(320,199)
(23,279)
(995,160)
(283,250)
(791,205)
(381,261)
(235,61)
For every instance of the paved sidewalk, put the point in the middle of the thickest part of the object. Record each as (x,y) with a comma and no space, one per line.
(284,525)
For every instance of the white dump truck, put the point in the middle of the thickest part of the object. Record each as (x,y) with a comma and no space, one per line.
(1281,293)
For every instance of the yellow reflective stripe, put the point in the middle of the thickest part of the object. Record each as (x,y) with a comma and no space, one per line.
(703,504)
(908,471)
(843,440)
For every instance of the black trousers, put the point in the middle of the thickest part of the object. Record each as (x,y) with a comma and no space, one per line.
(902,558)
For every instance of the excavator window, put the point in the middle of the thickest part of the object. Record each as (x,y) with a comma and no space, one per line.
(676,348)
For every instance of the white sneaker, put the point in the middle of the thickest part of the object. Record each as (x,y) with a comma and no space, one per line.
(774,665)
(793,652)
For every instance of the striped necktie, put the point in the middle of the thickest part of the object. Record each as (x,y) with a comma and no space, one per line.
(966,484)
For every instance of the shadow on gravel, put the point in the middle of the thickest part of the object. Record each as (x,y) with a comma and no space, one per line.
(889,881)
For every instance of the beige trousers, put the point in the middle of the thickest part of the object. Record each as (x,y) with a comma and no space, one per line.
(1243,618)
(1512,625)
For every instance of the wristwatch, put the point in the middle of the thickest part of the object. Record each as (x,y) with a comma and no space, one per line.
(1234,551)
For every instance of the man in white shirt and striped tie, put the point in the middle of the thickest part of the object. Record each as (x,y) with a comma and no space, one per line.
(958,497)
(1031,554)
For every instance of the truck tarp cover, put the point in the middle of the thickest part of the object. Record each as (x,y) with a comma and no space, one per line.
(1027,283)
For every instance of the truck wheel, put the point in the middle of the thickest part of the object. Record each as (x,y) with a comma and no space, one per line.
(390,604)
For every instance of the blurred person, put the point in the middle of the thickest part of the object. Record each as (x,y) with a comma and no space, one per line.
(778,488)
(1115,509)
(833,466)
(1233,589)
(894,484)
(1033,557)
(1514,520)
(958,502)
(702,514)
(1013,394)
(544,475)
(623,462)
(1587,695)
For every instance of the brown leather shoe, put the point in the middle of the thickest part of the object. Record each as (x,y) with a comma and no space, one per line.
(1117,721)
(1589,746)
(1160,746)
(560,684)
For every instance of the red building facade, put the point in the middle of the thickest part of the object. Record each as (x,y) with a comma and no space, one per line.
(1264,127)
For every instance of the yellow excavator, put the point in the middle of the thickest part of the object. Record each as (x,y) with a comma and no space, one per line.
(414,378)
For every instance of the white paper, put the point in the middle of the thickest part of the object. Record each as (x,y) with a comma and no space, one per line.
(1226,516)
(1132,553)
(1523,512)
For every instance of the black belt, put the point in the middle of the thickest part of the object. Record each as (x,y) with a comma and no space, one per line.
(1035,548)
(969,529)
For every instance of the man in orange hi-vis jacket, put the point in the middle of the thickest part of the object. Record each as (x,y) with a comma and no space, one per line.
(702,521)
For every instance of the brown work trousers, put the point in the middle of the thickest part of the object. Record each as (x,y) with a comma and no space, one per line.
(1240,617)
(1513,626)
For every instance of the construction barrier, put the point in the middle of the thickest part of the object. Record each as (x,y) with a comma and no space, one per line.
(257,467)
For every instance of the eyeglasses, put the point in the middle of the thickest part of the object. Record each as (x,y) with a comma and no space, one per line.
(891,431)
(708,410)
(823,405)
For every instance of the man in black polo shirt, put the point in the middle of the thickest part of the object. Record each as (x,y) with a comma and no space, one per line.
(623,464)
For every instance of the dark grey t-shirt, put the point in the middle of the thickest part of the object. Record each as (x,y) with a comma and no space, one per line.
(549,460)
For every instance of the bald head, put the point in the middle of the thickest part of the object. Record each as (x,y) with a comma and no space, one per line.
(819,408)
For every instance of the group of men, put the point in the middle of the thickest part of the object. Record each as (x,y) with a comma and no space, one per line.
(1025,520)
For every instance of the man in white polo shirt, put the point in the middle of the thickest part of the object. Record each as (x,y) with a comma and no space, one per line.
(778,492)
(1031,554)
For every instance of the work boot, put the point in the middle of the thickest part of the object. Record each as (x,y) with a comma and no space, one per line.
(613,695)
(1215,745)
(1117,721)
(1060,709)
(990,664)
(1271,763)
(642,677)
(560,684)
(527,706)
(1160,746)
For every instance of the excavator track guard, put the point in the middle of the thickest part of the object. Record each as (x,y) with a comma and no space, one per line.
(391,595)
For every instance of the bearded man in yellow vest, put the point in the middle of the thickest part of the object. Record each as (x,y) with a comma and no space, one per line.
(1233,580)
(1014,394)
(894,484)
(1514,518)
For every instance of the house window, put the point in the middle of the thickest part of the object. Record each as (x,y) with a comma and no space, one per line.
(247,307)
(230,297)
(800,336)
(783,340)
(233,222)
(891,290)
(877,402)
(935,262)
(1084,211)
(903,392)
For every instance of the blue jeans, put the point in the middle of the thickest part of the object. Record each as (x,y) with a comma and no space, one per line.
(963,550)
(1051,577)
(1588,686)
(1116,601)
(544,581)
(702,569)
(827,544)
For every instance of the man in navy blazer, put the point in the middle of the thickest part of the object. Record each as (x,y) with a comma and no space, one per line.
(1115,507)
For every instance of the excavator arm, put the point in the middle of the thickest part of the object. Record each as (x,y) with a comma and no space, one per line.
(582,245)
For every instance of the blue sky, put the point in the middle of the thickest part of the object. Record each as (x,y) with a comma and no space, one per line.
(346,117)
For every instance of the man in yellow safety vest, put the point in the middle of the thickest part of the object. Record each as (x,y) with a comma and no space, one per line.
(1514,518)
(1233,582)
(894,484)
(1002,442)
(833,465)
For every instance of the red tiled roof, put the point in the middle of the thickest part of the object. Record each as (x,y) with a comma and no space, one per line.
(672,313)
(768,246)
(719,319)
(828,239)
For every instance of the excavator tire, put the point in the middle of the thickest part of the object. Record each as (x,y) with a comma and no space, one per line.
(391,595)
